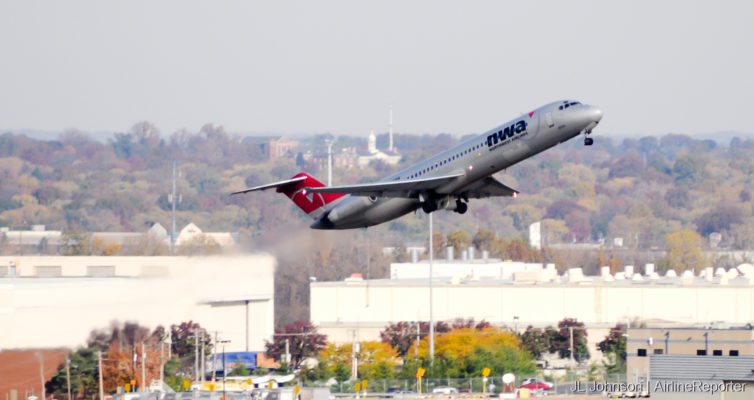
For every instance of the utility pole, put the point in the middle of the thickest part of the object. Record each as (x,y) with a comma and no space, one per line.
(196,355)
(418,337)
(172,203)
(68,375)
(287,352)
(570,332)
(162,360)
(203,366)
(329,143)
(431,316)
(143,368)
(223,342)
(99,367)
(42,374)
(214,360)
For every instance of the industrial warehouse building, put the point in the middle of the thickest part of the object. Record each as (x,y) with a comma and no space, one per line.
(710,378)
(51,302)
(692,361)
(517,294)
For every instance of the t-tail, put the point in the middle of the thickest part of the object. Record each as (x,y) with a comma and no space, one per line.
(314,204)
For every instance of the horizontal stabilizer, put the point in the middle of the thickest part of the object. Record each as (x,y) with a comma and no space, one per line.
(403,188)
(273,185)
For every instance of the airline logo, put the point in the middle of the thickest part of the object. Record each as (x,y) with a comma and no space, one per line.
(306,200)
(503,136)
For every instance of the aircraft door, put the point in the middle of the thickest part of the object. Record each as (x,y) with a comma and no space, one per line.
(548,119)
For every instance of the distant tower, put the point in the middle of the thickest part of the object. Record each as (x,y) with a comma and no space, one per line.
(372,143)
(390,130)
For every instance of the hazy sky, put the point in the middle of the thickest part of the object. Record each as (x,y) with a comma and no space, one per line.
(336,66)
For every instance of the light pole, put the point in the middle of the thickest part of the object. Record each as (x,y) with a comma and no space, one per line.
(431,316)
(223,342)
(329,143)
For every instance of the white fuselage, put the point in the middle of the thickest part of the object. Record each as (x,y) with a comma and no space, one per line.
(477,158)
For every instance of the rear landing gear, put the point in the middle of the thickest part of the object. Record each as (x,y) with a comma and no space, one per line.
(429,206)
(461,207)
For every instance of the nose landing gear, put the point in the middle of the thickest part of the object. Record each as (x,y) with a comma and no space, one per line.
(587,140)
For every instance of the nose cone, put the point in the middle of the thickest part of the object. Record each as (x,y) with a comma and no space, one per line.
(595,113)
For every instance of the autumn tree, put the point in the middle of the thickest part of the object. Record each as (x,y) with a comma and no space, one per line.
(684,252)
(465,352)
(184,340)
(303,341)
(562,342)
(614,349)
(484,239)
(718,219)
(459,240)
(377,360)
(200,244)
(123,346)
(402,335)
(536,341)
(438,243)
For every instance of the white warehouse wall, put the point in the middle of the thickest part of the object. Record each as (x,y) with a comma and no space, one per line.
(61,311)
(360,310)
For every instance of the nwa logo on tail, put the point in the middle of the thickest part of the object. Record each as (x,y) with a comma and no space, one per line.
(503,136)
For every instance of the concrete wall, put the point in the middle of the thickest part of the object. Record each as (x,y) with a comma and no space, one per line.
(345,310)
(533,304)
(220,293)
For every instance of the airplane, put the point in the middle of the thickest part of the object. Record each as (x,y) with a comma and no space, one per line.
(447,180)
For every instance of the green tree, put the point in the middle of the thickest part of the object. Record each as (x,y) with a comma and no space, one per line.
(84,375)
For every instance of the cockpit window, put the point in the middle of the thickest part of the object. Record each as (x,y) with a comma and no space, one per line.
(567,104)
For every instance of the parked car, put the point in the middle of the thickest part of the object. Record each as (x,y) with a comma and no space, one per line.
(535,384)
(445,390)
(464,390)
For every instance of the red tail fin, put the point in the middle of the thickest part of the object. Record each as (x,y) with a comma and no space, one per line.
(309,202)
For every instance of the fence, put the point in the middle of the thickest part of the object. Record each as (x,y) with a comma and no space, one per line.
(474,385)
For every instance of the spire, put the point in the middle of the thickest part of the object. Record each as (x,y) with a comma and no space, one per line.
(372,143)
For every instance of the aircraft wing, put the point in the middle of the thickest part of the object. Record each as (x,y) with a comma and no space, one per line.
(407,189)
(272,185)
(488,187)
